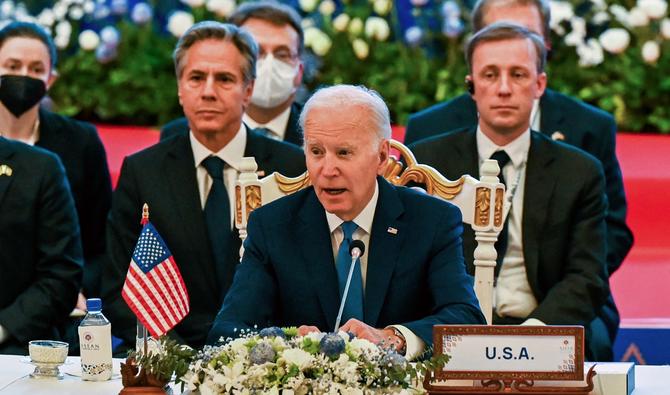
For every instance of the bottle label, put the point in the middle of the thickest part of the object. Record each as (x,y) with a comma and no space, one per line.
(95,344)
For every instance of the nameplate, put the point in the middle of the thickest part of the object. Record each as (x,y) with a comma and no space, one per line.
(510,352)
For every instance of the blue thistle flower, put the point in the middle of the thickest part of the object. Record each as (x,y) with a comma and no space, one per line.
(272,331)
(261,353)
(332,345)
(394,361)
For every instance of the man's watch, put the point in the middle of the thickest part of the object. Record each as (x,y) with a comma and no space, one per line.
(403,349)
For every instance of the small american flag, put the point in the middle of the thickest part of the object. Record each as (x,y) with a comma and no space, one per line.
(154,289)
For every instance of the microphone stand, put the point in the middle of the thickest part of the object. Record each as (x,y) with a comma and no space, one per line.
(356,250)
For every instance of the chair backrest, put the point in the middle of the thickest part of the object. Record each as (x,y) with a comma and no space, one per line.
(480,202)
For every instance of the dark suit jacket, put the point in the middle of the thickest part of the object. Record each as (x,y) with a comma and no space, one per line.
(79,148)
(293,133)
(40,248)
(583,126)
(564,210)
(415,277)
(164,177)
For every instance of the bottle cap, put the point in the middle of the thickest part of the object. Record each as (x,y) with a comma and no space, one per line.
(93,304)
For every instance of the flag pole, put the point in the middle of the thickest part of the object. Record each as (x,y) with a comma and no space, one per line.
(142,332)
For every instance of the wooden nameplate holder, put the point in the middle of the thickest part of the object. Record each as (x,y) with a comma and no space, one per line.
(509,359)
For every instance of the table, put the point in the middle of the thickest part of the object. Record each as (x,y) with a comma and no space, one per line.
(15,379)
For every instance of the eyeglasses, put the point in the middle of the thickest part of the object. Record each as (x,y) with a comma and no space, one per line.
(281,54)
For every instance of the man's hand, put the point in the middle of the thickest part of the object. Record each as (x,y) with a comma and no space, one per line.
(305,329)
(382,337)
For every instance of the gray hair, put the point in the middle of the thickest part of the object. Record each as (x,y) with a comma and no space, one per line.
(505,31)
(207,30)
(483,6)
(273,12)
(352,95)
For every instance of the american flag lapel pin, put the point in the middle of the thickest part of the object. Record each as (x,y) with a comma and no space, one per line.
(5,171)
(392,230)
(558,136)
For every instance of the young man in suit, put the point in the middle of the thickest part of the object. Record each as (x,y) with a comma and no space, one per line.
(188,181)
(272,110)
(553,246)
(556,115)
(27,71)
(296,258)
(40,248)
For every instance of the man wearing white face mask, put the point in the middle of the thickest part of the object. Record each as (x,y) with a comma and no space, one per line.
(272,111)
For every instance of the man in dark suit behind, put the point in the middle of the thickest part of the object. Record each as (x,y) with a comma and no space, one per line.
(556,115)
(40,248)
(553,246)
(273,110)
(188,181)
(411,276)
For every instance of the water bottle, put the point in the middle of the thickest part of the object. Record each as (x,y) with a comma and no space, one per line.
(95,343)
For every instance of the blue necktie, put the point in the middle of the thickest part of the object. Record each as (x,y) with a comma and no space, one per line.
(217,214)
(353,307)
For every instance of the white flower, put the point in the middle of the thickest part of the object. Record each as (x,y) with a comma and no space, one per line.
(88,40)
(382,7)
(665,28)
(46,17)
(620,13)
(560,11)
(308,5)
(637,17)
(194,3)
(179,22)
(377,28)
(222,8)
(590,53)
(141,13)
(298,357)
(64,28)
(361,48)
(315,336)
(341,22)
(61,41)
(327,7)
(317,40)
(655,9)
(413,35)
(651,51)
(110,36)
(576,36)
(356,27)
(89,6)
(615,40)
(76,13)
(7,8)
(59,11)
(600,18)
(598,5)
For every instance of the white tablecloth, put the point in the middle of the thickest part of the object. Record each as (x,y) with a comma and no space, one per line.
(15,379)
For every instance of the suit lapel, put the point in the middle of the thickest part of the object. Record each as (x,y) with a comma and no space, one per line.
(383,249)
(466,148)
(257,149)
(538,190)
(552,115)
(6,152)
(314,241)
(180,171)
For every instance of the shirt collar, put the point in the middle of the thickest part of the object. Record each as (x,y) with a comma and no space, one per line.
(364,218)
(232,153)
(517,149)
(277,125)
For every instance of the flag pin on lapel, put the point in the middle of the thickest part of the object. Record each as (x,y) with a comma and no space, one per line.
(5,171)
(557,136)
(392,230)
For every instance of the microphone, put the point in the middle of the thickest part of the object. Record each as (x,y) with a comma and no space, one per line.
(356,249)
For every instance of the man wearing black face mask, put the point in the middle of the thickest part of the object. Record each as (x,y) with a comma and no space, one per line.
(273,110)
(27,70)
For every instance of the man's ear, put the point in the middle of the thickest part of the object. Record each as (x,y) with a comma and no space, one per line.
(384,148)
(469,84)
(53,76)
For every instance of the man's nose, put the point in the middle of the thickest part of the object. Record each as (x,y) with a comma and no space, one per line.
(208,88)
(504,87)
(330,165)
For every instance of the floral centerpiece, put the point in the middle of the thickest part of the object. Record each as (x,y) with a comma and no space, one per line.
(277,361)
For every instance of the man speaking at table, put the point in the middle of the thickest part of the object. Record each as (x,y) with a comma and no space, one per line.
(412,275)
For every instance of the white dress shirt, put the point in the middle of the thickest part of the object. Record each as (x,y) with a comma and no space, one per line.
(277,125)
(232,154)
(414,345)
(513,296)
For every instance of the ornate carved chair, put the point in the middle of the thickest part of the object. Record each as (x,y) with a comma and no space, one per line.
(480,202)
